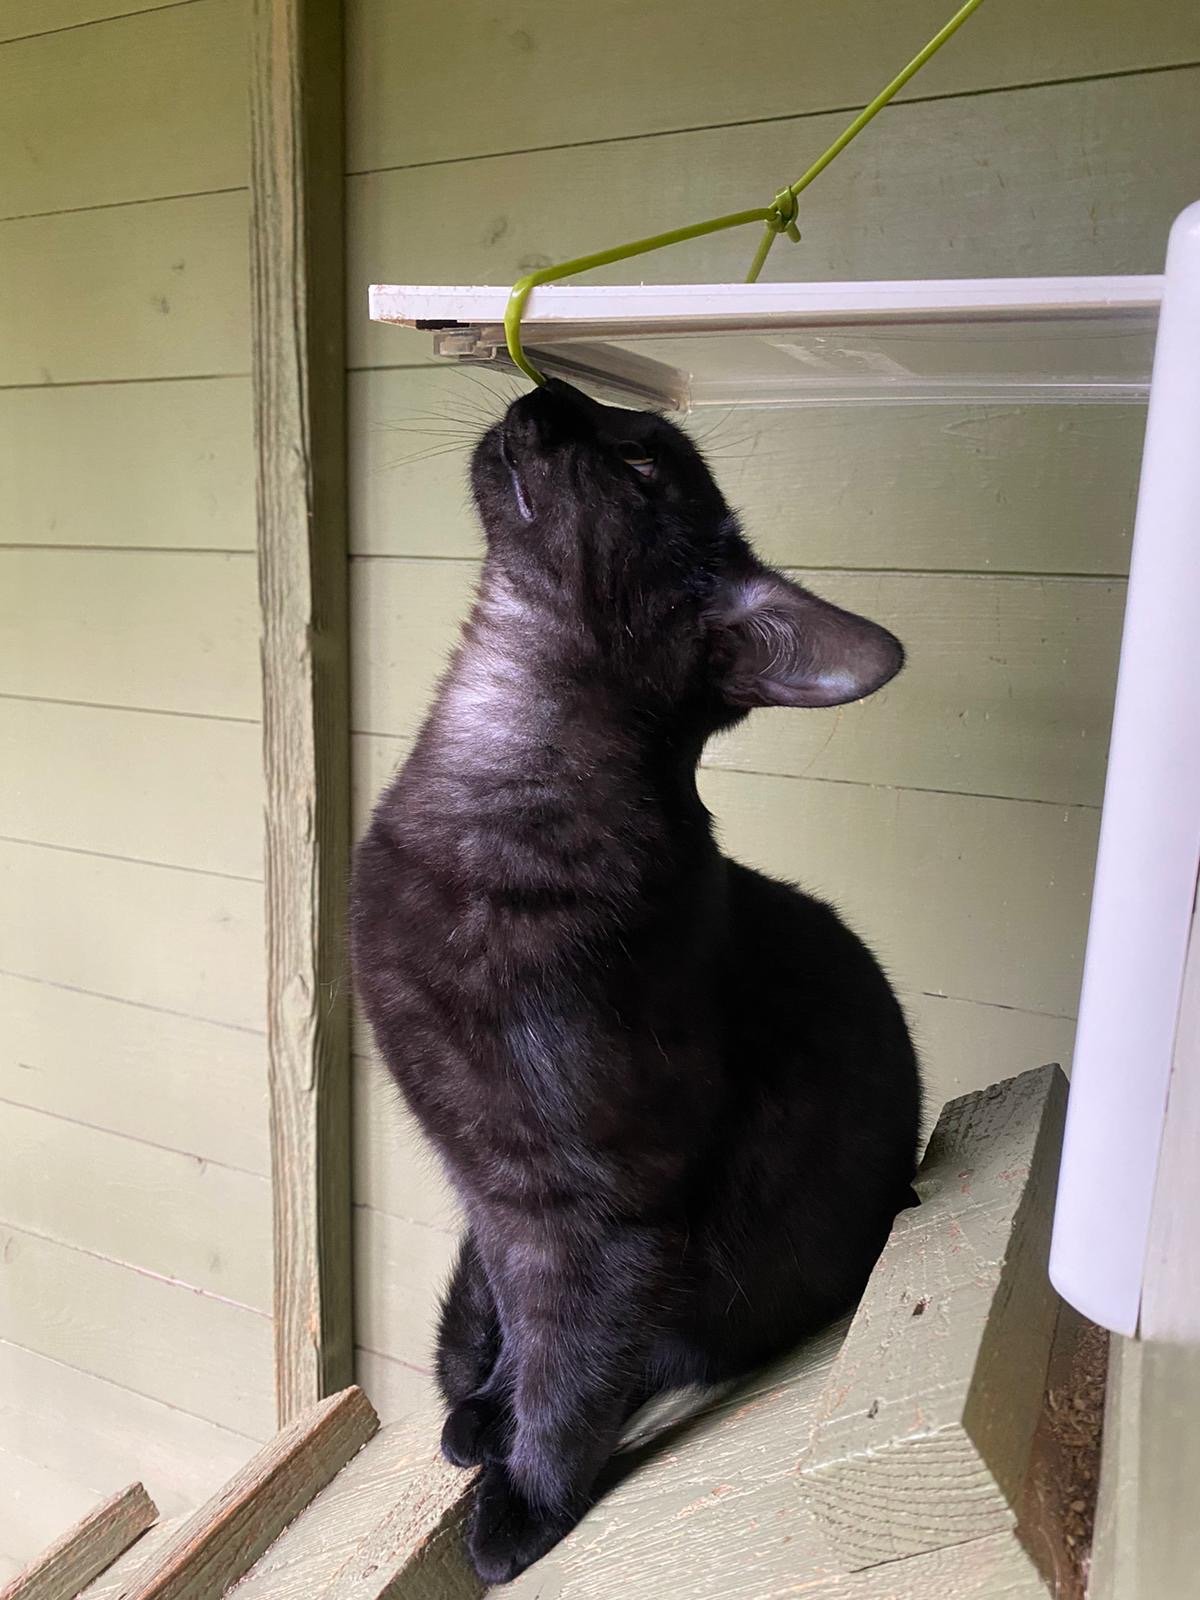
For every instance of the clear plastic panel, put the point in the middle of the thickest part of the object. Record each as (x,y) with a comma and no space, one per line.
(1072,359)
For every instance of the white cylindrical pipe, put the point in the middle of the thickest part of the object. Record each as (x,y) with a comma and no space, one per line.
(1149,846)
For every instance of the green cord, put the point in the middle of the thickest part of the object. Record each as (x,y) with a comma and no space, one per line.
(524,287)
(779,216)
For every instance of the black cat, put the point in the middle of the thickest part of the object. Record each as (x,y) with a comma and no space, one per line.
(677,1099)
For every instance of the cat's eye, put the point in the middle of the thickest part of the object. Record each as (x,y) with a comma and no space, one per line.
(634,455)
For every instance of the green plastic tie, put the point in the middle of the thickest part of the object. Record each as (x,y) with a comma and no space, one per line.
(779,217)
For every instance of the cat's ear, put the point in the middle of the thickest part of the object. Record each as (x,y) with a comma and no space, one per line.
(775,644)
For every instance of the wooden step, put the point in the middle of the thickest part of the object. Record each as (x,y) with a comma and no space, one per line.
(917,1449)
(87,1549)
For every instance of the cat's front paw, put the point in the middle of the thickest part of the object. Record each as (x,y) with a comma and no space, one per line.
(507,1534)
(476,1431)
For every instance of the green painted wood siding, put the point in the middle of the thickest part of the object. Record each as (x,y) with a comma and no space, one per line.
(135,1268)
(955,815)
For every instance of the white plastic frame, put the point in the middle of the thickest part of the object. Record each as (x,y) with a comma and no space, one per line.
(1149,848)
(1080,340)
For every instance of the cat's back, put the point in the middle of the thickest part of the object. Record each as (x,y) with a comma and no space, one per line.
(807,993)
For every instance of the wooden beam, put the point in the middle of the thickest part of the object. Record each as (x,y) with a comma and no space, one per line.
(1167,1551)
(113,1581)
(84,1552)
(400,1474)
(929,1412)
(1115,1539)
(219,1543)
(299,380)
(1148,1532)
(1057,1507)
(417,1548)
(1171,1283)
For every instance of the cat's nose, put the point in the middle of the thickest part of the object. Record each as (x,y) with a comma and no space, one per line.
(552,414)
(559,389)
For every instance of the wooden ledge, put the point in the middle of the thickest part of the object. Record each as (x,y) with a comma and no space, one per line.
(925,1425)
(916,1450)
(93,1544)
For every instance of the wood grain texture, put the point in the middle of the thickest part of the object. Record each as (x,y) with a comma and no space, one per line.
(198,1222)
(925,1425)
(86,1549)
(386,1526)
(296,165)
(129,1328)
(221,1541)
(1114,1559)
(169,1080)
(706,1501)
(413,1549)
(948,488)
(1170,1292)
(1007,690)
(390,1522)
(112,1584)
(178,791)
(78,128)
(88,1428)
(1166,1555)
(1074,178)
(150,465)
(1056,1507)
(164,294)
(431,84)
(163,630)
(995,1567)
(177,941)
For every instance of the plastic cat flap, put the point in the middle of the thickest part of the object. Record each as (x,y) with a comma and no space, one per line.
(687,346)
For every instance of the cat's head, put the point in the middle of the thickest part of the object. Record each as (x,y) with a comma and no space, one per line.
(610,519)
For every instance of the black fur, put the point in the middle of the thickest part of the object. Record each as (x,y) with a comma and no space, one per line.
(677,1099)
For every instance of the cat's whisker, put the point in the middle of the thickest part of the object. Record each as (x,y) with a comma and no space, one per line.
(476,376)
(424,455)
(431,433)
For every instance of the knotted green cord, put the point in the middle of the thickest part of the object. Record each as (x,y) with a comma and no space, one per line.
(780,216)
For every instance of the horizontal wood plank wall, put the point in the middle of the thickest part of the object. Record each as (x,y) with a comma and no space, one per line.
(135,1334)
(954,817)
(174,125)
(152,465)
(438,84)
(37,1505)
(23,19)
(78,1424)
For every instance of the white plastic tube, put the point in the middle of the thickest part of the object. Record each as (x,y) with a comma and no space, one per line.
(1149,846)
